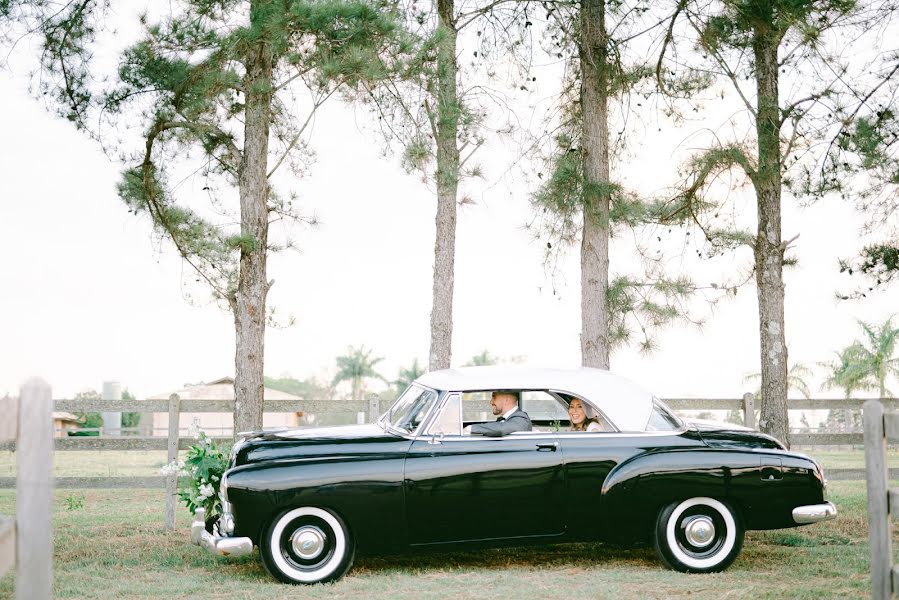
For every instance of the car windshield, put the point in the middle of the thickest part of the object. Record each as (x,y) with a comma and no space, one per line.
(410,409)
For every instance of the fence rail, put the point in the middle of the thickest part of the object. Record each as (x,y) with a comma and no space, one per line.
(174,441)
(207,406)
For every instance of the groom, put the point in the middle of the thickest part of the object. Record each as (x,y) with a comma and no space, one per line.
(504,403)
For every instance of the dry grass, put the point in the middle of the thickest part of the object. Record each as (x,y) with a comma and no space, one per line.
(110,544)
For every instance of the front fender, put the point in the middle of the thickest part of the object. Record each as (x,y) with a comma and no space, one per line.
(366,492)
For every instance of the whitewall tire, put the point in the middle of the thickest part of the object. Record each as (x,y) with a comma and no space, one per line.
(307,545)
(698,535)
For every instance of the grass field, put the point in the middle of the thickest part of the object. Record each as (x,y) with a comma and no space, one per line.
(111,544)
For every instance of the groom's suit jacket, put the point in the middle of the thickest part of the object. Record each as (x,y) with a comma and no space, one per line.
(517,421)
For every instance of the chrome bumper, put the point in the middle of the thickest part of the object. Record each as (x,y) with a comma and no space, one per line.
(814,513)
(222,546)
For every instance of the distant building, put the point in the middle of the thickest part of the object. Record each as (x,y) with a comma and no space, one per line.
(218,423)
(63,422)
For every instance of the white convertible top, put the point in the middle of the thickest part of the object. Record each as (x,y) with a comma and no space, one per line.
(625,403)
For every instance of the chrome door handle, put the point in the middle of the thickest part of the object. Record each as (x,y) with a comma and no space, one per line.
(547,446)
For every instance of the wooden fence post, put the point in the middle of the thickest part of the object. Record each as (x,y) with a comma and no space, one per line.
(749,410)
(34,492)
(171,482)
(881,545)
(374,409)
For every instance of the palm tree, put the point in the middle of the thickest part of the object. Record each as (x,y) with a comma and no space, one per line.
(356,366)
(795,380)
(866,364)
(482,359)
(407,375)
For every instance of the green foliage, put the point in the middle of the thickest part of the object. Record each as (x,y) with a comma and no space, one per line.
(200,476)
(93,420)
(407,375)
(87,420)
(647,305)
(797,380)
(731,35)
(66,34)
(871,138)
(482,359)
(356,366)
(417,155)
(74,502)
(740,22)
(185,81)
(308,389)
(129,419)
(880,262)
(868,363)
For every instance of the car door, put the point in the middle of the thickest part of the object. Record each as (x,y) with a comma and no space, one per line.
(589,457)
(463,487)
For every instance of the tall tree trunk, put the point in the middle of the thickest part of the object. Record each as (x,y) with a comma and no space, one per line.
(769,251)
(357,386)
(447,125)
(252,287)
(595,142)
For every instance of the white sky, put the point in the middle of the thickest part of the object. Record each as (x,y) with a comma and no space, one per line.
(88,296)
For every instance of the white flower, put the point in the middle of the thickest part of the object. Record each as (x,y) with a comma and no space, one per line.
(206,491)
(214,478)
(172,468)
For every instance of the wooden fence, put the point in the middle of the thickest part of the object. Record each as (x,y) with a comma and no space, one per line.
(174,441)
(26,541)
(880,428)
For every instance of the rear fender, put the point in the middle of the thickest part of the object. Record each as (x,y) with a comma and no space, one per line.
(636,490)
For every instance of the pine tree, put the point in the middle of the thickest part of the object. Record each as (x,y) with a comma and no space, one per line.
(218,80)
(775,56)
(436,116)
(579,202)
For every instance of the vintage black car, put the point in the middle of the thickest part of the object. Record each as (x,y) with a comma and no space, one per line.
(310,498)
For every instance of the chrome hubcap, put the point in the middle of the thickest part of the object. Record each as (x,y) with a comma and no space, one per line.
(308,542)
(700,531)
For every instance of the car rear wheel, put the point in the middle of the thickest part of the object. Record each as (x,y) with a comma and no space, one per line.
(698,535)
(307,545)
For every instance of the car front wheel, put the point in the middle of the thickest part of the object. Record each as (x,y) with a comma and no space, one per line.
(307,545)
(698,535)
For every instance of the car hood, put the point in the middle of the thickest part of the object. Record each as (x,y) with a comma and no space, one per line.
(366,430)
(317,442)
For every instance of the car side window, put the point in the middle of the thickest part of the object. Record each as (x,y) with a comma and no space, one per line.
(597,421)
(660,419)
(476,407)
(541,406)
(449,421)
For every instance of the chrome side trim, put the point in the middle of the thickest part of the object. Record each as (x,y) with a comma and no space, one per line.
(813,513)
(222,546)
